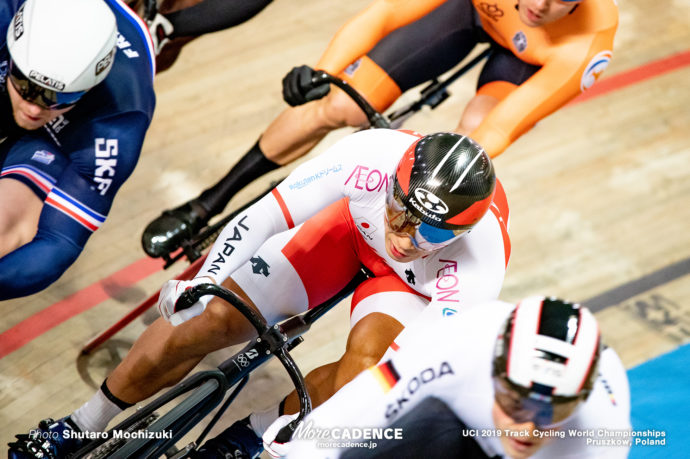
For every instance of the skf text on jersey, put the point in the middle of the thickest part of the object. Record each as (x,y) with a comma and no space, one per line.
(106,160)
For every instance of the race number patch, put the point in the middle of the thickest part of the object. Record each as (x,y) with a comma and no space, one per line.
(595,68)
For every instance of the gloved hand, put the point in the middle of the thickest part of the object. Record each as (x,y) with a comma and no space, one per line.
(274,448)
(171,291)
(298,88)
(161,29)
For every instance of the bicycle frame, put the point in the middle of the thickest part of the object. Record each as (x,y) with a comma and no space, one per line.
(435,92)
(208,388)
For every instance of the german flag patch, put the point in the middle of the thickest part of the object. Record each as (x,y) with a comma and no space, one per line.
(386,375)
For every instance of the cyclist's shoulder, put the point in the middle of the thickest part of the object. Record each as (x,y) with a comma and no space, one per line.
(128,88)
(459,345)
(134,65)
(469,323)
(383,138)
(381,148)
(608,406)
(600,15)
(613,378)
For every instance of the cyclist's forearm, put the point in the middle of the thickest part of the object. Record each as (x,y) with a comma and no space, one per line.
(35,266)
(556,83)
(240,238)
(308,189)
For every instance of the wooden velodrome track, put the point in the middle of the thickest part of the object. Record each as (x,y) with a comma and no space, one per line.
(598,195)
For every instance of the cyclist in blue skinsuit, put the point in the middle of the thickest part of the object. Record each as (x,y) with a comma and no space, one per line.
(71,129)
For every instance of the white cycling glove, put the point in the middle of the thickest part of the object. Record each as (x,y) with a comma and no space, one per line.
(171,291)
(274,448)
(161,29)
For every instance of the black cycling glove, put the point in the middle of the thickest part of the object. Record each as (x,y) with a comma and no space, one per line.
(299,89)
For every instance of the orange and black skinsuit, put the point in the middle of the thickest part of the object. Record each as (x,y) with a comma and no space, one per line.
(532,70)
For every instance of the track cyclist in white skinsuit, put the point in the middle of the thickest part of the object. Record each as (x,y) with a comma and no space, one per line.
(530,380)
(347,187)
(425,215)
(406,220)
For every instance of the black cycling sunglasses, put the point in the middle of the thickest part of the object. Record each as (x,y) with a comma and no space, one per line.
(38,95)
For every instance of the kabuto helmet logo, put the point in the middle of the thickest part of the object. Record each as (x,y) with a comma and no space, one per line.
(104,63)
(51,82)
(19,22)
(413,202)
(430,201)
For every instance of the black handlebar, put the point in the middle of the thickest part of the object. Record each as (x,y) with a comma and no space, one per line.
(274,336)
(187,299)
(432,95)
(192,295)
(279,338)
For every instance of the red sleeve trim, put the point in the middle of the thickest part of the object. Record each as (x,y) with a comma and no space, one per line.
(283,207)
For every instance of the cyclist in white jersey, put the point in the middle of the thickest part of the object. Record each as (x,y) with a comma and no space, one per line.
(529,380)
(398,203)
(349,187)
(354,176)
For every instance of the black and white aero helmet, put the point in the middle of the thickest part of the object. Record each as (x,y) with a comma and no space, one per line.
(548,349)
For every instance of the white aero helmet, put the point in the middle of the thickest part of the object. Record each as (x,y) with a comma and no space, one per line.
(59,49)
(545,360)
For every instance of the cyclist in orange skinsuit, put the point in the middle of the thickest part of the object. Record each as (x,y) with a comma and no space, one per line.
(571,51)
(544,53)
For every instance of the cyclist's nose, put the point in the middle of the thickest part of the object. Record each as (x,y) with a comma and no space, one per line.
(541,6)
(33,109)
